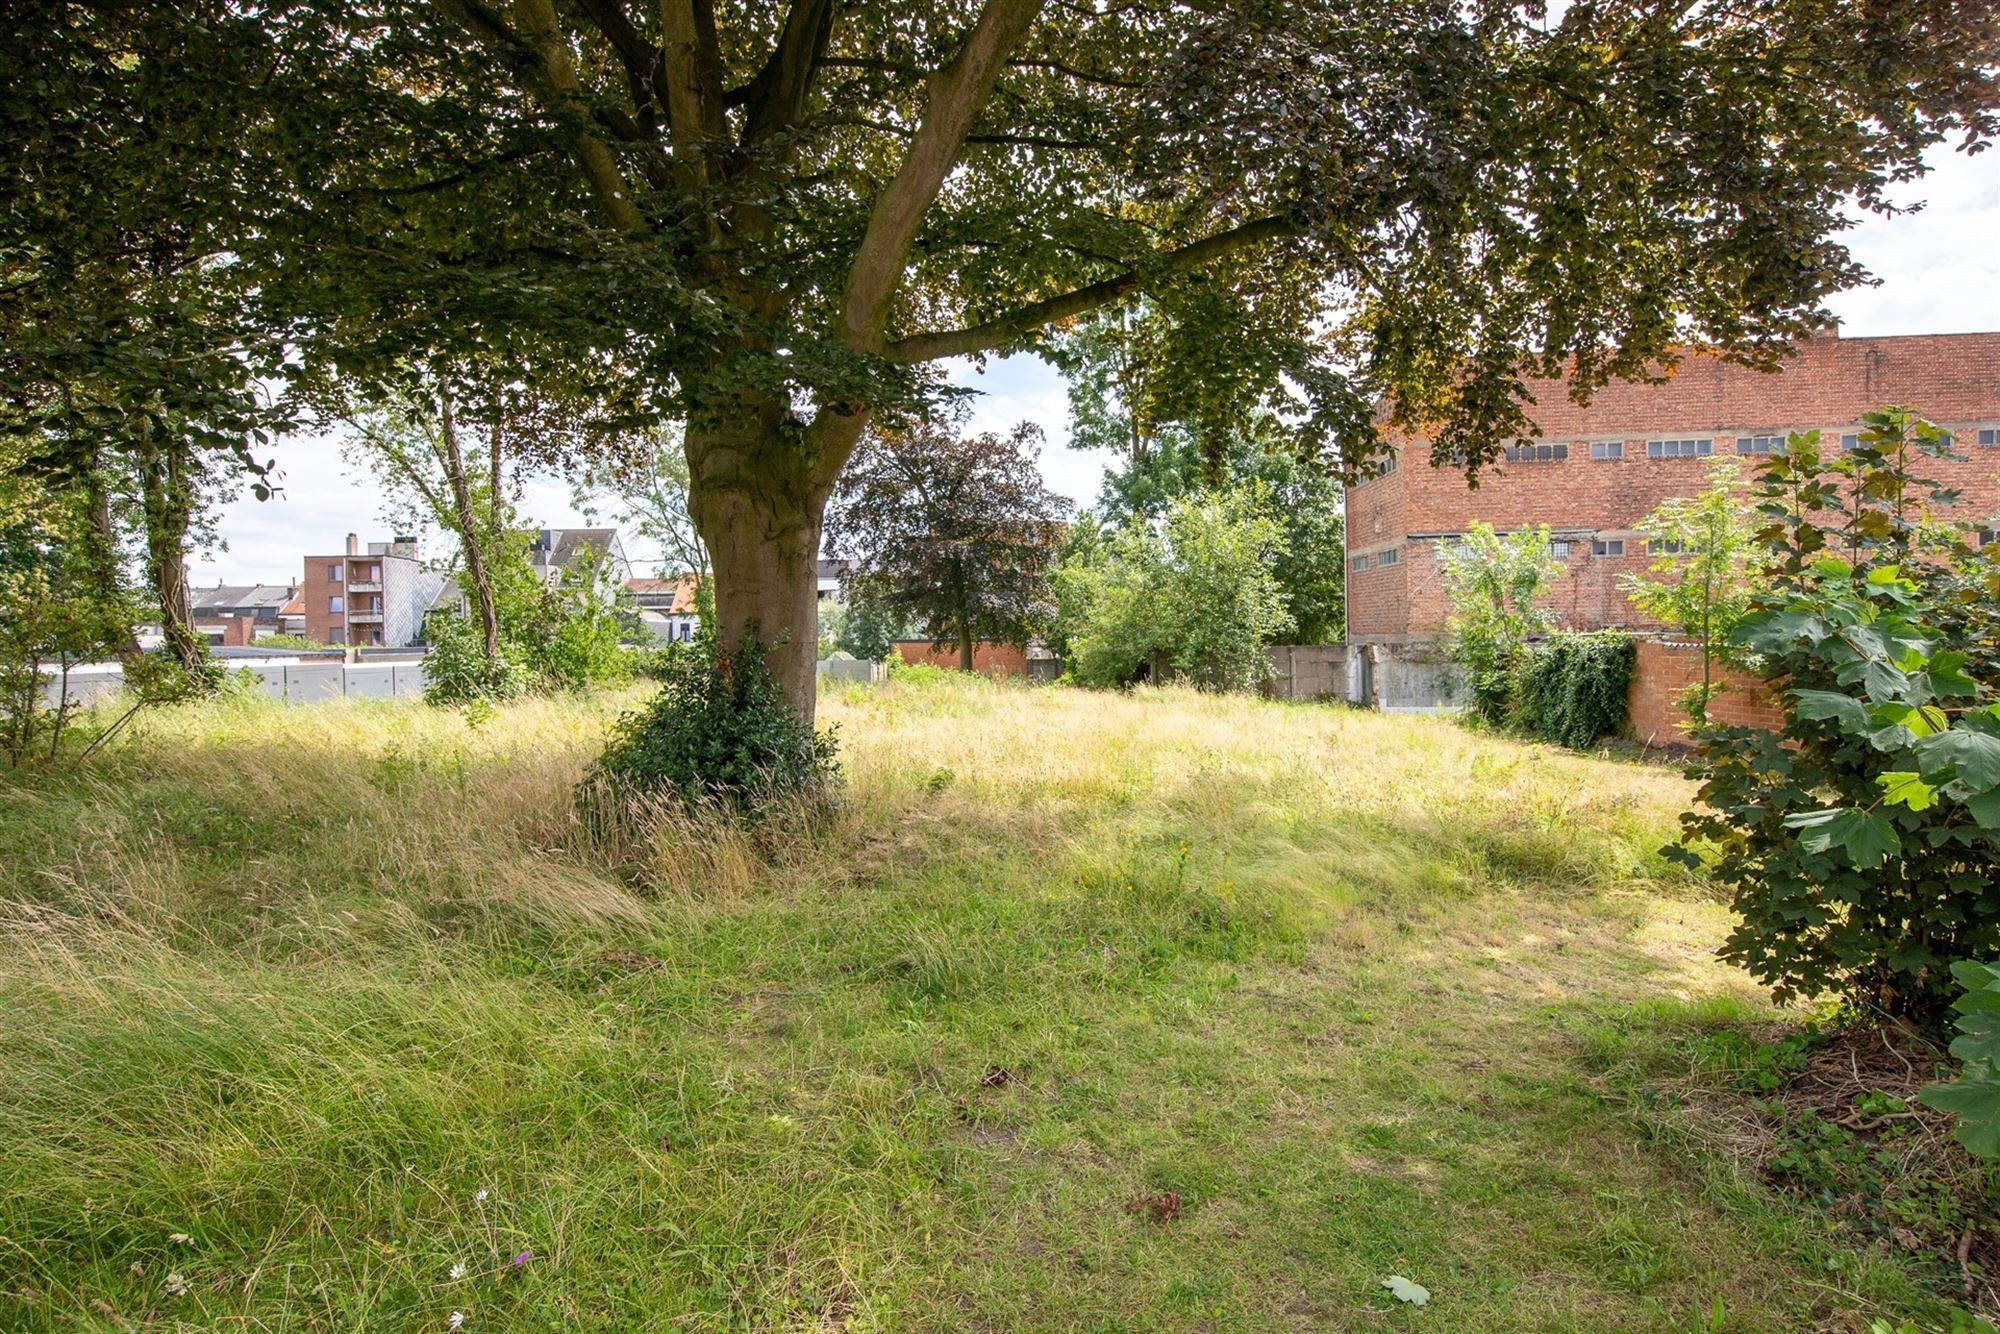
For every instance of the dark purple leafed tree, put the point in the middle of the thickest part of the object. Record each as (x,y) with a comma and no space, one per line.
(954,532)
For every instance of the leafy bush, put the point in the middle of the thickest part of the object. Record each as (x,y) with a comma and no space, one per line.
(1192,597)
(719,732)
(1572,688)
(1492,583)
(456,670)
(1975,1095)
(1859,844)
(287,641)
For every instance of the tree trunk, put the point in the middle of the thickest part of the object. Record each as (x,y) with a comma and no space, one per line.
(759,512)
(964,647)
(165,500)
(471,532)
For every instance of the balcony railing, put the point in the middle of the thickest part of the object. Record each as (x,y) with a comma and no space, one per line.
(364,618)
(364,585)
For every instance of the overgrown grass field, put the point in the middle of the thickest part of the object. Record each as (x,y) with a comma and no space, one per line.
(1083,1012)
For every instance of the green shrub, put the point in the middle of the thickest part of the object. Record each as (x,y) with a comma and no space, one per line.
(1192,597)
(1860,846)
(456,670)
(1492,583)
(1975,1095)
(718,733)
(1572,689)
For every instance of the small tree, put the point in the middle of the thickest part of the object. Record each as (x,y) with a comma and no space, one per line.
(1861,844)
(954,532)
(1192,595)
(1492,583)
(1706,565)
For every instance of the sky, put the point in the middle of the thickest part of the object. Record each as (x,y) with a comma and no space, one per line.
(1939,268)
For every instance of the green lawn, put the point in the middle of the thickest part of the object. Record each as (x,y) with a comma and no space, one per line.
(302,1009)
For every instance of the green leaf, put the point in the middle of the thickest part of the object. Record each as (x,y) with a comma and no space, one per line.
(1904,788)
(1849,712)
(1416,1294)
(1975,1100)
(1947,678)
(1985,808)
(1885,574)
(1974,755)
(1867,838)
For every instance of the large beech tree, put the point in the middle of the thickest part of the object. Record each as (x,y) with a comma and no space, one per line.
(767,220)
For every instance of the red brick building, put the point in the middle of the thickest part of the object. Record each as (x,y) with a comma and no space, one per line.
(1593,472)
(376,598)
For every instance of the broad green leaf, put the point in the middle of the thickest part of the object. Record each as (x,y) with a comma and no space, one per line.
(1416,1294)
(1974,755)
(1904,788)
(1866,838)
(1985,808)
(1946,675)
(1885,574)
(1846,710)
(1975,1100)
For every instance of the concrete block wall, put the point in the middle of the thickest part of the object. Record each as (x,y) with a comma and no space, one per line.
(1308,671)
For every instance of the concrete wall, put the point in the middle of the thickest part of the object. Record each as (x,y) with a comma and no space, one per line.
(1308,671)
(294,682)
(1663,669)
(1400,678)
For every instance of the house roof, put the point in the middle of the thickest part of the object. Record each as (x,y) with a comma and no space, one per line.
(238,597)
(562,546)
(654,594)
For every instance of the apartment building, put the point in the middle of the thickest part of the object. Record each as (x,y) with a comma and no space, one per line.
(372,598)
(1595,471)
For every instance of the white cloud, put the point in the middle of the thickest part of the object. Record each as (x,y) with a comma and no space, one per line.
(1939,266)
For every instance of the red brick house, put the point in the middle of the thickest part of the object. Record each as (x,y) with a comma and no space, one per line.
(1595,471)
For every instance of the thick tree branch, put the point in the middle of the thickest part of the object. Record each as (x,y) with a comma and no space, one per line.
(777,96)
(958,91)
(541,56)
(692,59)
(644,73)
(986,336)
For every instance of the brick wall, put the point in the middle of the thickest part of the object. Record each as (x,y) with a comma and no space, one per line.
(1663,669)
(988,659)
(1953,379)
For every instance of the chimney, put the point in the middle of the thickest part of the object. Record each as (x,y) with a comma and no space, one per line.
(353,544)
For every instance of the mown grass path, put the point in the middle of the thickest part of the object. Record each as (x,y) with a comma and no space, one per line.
(1084,1012)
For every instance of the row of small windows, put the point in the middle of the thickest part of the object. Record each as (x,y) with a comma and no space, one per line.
(1605,451)
(1679,449)
(1562,548)
(1381,558)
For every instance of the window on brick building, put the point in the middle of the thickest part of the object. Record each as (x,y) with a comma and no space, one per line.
(1389,557)
(1983,537)
(1679,449)
(1664,547)
(1385,465)
(1536,453)
(336,635)
(1850,441)
(1360,563)
(335,605)
(1559,549)
(1989,435)
(1607,546)
(333,574)
(1605,450)
(1760,444)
